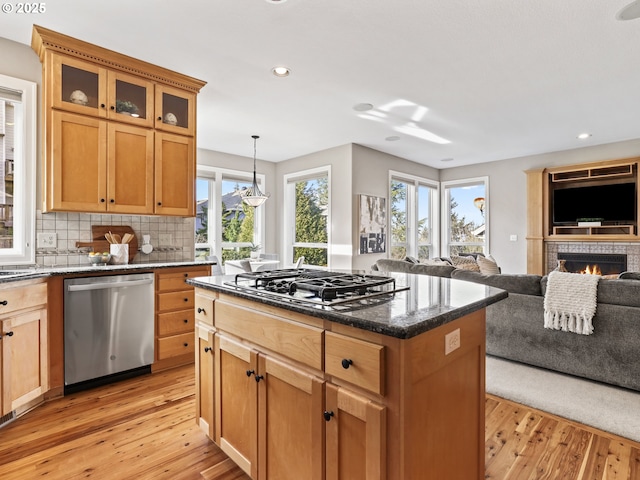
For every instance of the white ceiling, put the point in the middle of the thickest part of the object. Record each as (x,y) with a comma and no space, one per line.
(497,78)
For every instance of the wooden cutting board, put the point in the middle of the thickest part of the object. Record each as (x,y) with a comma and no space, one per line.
(100,244)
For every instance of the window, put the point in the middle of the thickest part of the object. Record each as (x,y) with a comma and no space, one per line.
(414,217)
(225,226)
(17,170)
(307,217)
(465,212)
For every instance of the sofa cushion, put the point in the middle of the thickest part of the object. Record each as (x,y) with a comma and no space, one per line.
(391,265)
(465,263)
(629,276)
(488,265)
(526,284)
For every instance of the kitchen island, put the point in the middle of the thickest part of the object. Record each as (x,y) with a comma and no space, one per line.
(391,387)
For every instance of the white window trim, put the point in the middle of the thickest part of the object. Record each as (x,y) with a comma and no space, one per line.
(446,216)
(216,175)
(412,208)
(289,181)
(23,251)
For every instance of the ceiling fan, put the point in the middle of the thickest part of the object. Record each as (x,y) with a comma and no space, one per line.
(630,12)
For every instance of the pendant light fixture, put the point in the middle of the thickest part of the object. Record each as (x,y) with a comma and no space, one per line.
(252,196)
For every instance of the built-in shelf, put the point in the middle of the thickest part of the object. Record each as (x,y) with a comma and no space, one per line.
(599,230)
(593,173)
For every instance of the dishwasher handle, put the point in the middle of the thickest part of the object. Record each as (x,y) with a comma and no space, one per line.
(105,285)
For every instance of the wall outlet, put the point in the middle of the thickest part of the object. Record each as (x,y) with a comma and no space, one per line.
(513,238)
(47,240)
(164,239)
(451,341)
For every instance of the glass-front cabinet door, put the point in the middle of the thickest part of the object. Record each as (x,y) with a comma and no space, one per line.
(175,110)
(78,86)
(130,99)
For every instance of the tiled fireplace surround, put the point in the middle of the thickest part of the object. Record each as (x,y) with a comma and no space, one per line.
(73,227)
(632,250)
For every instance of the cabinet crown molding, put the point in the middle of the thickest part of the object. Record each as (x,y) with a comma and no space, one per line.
(43,40)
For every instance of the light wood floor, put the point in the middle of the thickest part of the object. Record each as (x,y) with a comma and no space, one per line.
(144,428)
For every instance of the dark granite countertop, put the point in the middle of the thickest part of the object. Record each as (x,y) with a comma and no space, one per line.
(427,304)
(14,275)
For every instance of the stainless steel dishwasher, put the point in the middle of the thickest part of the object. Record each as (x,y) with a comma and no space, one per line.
(108,329)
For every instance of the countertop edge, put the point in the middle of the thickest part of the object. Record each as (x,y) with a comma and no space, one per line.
(492,295)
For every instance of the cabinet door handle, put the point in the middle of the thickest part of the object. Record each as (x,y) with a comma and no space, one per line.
(200,310)
(159,203)
(328,415)
(250,372)
(4,302)
(186,320)
(112,107)
(185,344)
(112,201)
(102,200)
(258,378)
(186,275)
(9,334)
(186,299)
(159,118)
(346,363)
(207,349)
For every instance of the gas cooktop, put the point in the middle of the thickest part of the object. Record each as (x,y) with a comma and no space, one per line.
(317,287)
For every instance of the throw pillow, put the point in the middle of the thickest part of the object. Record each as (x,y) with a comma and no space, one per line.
(466,263)
(488,265)
(435,261)
(411,259)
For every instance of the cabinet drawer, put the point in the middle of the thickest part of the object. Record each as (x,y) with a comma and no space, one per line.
(176,345)
(175,300)
(167,282)
(299,342)
(355,361)
(204,309)
(175,322)
(19,298)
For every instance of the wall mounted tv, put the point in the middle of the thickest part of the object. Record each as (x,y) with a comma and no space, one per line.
(614,203)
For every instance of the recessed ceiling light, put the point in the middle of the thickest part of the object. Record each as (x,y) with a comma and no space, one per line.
(281,71)
(449,159)
(362,107)
(583,136)
(275,2)
(630,12)
(392,138)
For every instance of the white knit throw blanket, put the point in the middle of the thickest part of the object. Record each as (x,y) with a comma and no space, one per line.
(570,302)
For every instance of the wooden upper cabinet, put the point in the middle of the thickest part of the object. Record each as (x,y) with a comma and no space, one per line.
(175,110)
(99,166)
(174,175)
(114,125)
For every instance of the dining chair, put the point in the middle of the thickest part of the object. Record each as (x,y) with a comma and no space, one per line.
(299,262)
(232,267)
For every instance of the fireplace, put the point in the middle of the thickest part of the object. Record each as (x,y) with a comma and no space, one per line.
(608,263)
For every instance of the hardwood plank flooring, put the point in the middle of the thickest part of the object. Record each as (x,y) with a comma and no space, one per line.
(144,428)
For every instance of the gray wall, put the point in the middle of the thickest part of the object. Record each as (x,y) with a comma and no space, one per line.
(371,177)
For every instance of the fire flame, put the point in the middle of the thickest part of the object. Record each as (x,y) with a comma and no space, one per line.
(592,270)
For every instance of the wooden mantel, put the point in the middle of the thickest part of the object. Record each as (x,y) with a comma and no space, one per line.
(539,230)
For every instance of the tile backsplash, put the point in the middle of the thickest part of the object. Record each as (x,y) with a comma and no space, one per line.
(176,233)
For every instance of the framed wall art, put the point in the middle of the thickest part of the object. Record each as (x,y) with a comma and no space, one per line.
(372,226)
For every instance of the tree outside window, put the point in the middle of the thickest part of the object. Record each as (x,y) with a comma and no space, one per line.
(311,237)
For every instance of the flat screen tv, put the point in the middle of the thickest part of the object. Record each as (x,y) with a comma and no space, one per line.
(615,203)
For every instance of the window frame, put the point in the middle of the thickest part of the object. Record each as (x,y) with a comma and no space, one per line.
(24,206)
(289,181)
(446,213)
(414,182)
(216,176)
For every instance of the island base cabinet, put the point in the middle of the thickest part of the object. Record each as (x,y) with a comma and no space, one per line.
(356,436)
(236,397)
(268,414)
(205,376)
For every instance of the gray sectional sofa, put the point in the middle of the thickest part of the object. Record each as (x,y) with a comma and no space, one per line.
(515,328)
